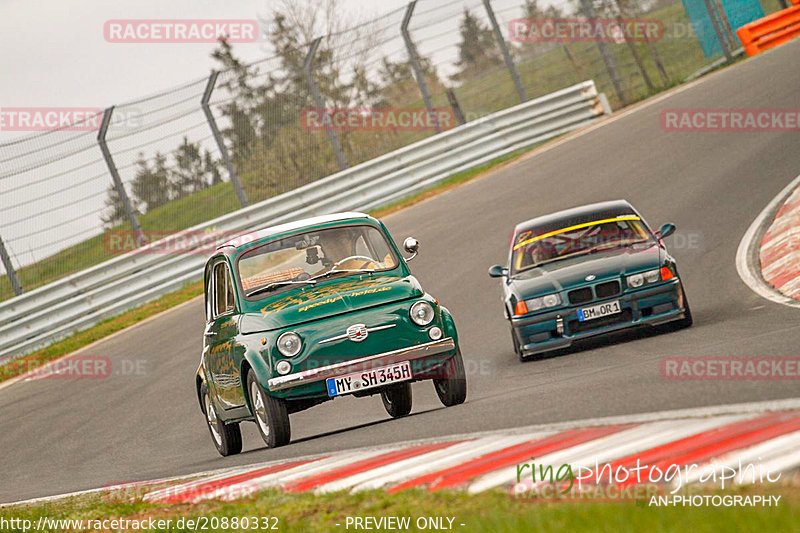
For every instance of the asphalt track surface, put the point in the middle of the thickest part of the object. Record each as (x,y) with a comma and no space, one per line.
(58,435)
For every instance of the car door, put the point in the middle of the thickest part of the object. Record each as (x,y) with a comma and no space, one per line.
(219,338)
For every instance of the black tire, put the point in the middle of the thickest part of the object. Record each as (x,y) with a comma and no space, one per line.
(227,438)
(270,414)
(517,349)
(397,399)
(452,389)
(686,321)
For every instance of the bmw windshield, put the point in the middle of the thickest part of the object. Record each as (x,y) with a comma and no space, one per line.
(539,246)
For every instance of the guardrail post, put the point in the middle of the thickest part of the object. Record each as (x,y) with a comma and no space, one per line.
(712,14)
(611,66)
(112,169)
(506,55)
(10,272)
(312,85)
(223,150)
(414,60)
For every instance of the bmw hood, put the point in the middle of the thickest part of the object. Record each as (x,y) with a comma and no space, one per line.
(329,298)
(571,273)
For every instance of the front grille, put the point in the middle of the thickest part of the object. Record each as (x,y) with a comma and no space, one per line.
(607,289)
(576,326)
(579,296)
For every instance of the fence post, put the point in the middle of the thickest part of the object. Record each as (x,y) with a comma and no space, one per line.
(451,97)
(504,49)
(712,14)
(414,60)
(611,66)
(312,85)
(223,150)
(10,272)
(112,168)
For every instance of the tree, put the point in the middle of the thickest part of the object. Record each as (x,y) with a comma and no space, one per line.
(478,48)
(115,210)
(189,175)
(151,187)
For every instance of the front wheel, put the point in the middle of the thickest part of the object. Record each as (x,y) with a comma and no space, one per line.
(452,389)
(227,437)
(686,321)
(397,399)
(270,413)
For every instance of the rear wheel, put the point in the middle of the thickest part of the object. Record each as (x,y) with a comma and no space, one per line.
(397,399)
(272,418)
(452,389)
(227,437)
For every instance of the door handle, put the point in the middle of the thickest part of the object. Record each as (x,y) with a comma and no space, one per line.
(210,333)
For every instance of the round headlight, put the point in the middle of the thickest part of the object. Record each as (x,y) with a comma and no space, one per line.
(283,367)
(551,300)
(290,344)
(637,280)
(422,313)
(435,333)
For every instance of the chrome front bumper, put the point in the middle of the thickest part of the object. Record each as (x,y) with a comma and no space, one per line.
(359,365)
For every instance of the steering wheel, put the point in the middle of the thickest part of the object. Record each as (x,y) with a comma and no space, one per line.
(340,261)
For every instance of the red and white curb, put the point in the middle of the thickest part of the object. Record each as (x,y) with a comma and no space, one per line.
(780,248)
(768,440)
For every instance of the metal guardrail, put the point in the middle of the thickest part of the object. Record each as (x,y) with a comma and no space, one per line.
(81,300)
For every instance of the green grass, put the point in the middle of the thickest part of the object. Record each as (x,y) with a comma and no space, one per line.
(493,511)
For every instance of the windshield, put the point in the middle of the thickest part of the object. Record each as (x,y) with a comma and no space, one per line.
(304,258)
(534,248)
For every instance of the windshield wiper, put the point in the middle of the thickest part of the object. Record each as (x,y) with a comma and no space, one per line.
(274,285)
(344,271)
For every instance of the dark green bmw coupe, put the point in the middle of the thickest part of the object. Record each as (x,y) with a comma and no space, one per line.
(313,310)
(588,271)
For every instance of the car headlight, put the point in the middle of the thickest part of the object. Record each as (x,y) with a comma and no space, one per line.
(637,280)
(535,304)
(543,302)
(290,344)
(422,313)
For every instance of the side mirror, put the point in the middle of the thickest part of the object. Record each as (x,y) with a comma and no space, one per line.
(497,271)
(666,230)
(411,245)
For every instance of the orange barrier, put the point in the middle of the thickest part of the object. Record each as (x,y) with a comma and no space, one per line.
(770,31)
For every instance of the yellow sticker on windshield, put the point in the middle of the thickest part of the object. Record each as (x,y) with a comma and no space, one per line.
(573,228)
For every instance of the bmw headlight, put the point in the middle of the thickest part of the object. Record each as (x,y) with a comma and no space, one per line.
(638,280)
(290,344)
(422,313)
(543,302)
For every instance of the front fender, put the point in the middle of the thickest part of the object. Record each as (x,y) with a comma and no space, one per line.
(448,324)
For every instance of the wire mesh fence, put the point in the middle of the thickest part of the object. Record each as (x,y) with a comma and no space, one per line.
(314,107)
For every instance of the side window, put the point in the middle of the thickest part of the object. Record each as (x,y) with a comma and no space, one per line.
(209,296)
(224,301)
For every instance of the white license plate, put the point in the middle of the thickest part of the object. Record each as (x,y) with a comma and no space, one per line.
(368,379)
(599,311)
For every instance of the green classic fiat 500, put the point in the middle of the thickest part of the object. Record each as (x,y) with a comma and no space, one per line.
(312,310)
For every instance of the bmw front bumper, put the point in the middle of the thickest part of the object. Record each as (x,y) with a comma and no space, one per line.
(559,328)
